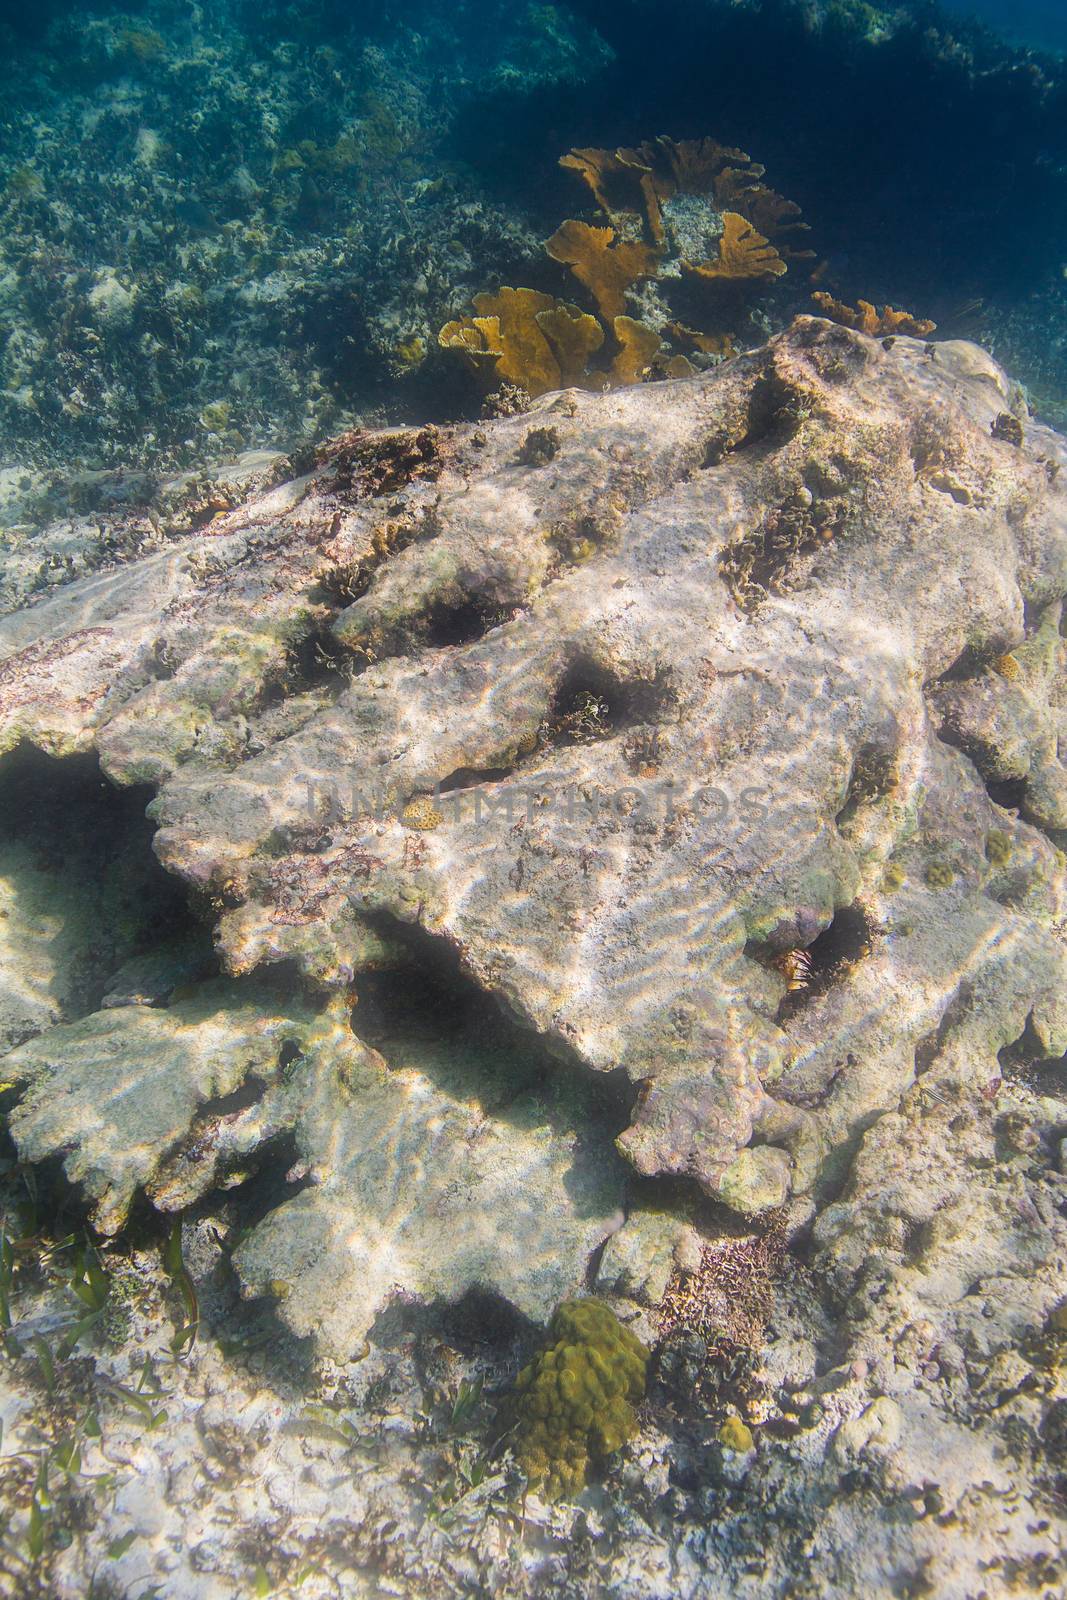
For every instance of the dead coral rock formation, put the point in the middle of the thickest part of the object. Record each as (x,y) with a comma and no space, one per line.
(1010,715)
(645,791)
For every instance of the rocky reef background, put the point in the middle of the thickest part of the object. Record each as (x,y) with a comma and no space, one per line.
(231,228)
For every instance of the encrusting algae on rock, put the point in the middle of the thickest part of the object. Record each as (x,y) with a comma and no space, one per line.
(575,1400)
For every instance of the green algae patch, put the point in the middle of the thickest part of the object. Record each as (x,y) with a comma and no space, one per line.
(575,1400)
(735,1435)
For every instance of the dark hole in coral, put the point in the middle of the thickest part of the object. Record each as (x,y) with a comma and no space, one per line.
(593,703)
(445,625)
(1033,614)
(289,1053)
(471,778)
(1008,793)
(478,1323)
(318,661)
(247,1094)
(846,941)
(276,1173)
(971,661)
(92,844)
(811,970)
(428,1010)
(39,1202)
(774,413)
(440,999)
(1024,1061)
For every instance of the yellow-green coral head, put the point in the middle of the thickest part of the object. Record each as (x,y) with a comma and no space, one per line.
(575,1400)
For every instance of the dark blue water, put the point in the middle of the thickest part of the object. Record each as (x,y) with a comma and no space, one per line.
(1038,22)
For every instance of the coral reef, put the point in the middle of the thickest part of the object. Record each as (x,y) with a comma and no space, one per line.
(401,630)
(222,234)
(575,1401)
(728,978)
(677,210)
(868,319)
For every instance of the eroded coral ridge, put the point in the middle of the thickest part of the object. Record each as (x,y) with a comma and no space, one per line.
(708,735)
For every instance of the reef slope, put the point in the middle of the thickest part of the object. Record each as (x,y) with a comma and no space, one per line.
(704,742)
(710,725)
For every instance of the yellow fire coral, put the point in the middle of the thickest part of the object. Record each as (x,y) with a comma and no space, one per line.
(574,1402)
(479,345)
(638,348)
(509,321)
(866,318)
(574,336)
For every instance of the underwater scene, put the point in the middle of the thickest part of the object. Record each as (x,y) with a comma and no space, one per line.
(533,800)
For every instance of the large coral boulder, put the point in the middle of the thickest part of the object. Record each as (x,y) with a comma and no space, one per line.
(714,733)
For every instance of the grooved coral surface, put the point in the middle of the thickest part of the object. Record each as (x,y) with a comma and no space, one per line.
(646,794)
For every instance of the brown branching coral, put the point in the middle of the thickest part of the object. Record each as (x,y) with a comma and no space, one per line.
(705,209)
(692,207)
(620,181)
(743,253)
(644,179)
(638,348)
(700,166)
(608,266)
(865,318)
(541,343)
(525,337)
(779,219)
